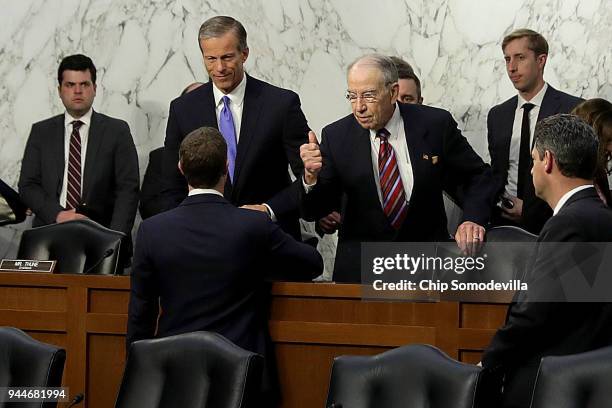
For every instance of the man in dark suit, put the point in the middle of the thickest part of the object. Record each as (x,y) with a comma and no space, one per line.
(12,210)
(510,127)
(204,262)
(263,125)
(81,163)
(390,160)
(564,162)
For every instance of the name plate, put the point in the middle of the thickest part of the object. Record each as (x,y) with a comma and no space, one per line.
(26,265)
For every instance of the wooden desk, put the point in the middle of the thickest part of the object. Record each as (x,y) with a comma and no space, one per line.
(310,325)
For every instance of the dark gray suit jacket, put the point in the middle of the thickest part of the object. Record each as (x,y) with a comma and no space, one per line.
(110,177)
(499,132)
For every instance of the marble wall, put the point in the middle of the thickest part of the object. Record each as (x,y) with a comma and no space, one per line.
(146,51)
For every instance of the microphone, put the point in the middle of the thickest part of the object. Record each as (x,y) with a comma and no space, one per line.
(106,254)
(77,398)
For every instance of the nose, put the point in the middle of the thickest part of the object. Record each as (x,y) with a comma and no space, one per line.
(219,65)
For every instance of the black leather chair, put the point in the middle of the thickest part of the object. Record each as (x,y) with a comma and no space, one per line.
(78,246)
(511,253)
(25,362)
(415,376)
(200,369)
(575,381)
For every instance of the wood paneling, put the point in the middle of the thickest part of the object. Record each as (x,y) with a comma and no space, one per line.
(310,324)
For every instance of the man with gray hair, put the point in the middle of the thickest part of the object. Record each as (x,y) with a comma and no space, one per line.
(564,163)
(390,160)
(263,126)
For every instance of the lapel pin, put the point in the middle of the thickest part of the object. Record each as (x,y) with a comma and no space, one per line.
(425,157)
(434,159)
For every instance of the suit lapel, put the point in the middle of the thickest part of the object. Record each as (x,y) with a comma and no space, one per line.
(248,126)
(205,108)
(417,149)
(505,125)
(94,139)
(551,104)
(58,153)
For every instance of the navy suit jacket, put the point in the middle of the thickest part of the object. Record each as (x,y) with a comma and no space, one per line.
(205,263)
(272,130)
(499,133)
(110,178)
(537,329)
(436,148)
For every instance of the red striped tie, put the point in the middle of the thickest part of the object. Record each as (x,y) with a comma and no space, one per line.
(73,192)
(391,187)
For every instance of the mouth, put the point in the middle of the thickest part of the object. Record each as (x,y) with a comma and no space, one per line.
(515,78)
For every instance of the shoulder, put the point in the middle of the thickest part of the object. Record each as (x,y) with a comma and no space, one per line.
(425,116)
(508,104)
(340,126)
(268,90)
(113,123)
(192,98)
(49,122)
(569,101)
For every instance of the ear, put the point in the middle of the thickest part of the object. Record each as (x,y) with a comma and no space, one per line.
(541,60)
(394,91)
(180,168)
(245,54)
(549,160)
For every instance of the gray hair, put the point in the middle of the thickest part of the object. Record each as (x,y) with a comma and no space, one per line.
(383,63)
(218,26)
(572,142)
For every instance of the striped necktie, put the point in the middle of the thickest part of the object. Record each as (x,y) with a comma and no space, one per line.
(391,186)
(73,192)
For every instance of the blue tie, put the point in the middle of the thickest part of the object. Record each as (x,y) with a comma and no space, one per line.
(226,126)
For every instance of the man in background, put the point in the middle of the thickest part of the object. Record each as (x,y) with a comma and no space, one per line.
(510,128)
(81,164)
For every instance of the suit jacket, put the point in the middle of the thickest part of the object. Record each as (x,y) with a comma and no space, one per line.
(110,177)
(436,148)
(12,210)
(537,329)
(206,262)
(151,193)
(499,133)
(272,130)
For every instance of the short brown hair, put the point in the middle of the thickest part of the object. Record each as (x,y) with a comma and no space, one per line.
(537,43)
(217,26)
(589,109)
(405,71)
(203,155)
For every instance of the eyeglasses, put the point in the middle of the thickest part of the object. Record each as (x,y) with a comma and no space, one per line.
(367,97)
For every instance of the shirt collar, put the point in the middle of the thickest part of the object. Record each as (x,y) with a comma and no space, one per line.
(392,125)
(568,195)
(236,96)
(197,191)
(536,100)
(86,118)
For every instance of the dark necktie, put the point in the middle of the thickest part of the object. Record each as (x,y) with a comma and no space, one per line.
(228,130)
(73,191)
(524,152)
(391,187)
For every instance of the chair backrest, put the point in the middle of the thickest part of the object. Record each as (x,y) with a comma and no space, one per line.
(199,369)
(77,246)
(575,381)
(511,254)
(25,362)
(415,376)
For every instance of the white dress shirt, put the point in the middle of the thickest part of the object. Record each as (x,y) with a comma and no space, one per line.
(84,133)
(196,191)
(515,142)
(568,195)
(236,98)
